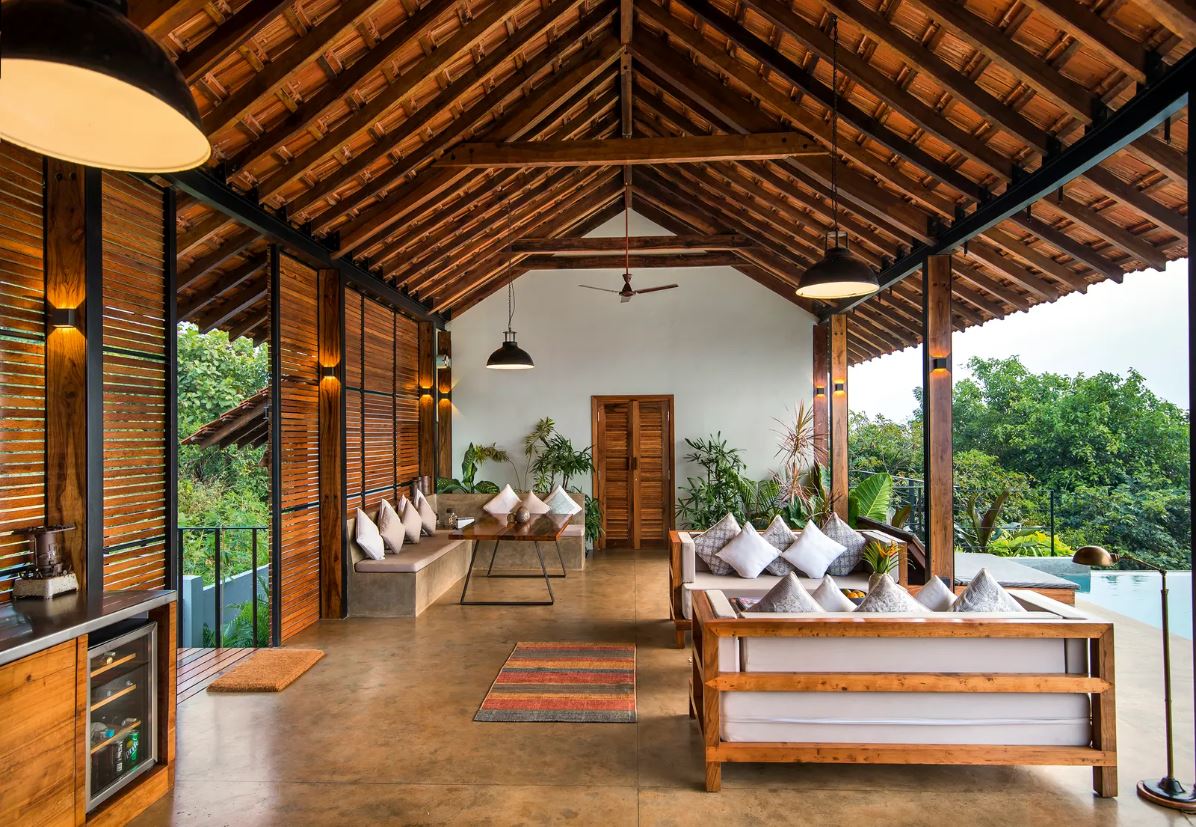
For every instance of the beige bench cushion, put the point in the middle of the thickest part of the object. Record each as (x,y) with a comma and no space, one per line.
(413,557)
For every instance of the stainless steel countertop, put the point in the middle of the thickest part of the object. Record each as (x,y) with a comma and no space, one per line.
(28,625)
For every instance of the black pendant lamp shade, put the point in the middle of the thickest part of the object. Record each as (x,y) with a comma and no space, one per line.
(837,275)
(80,82)
(510,356)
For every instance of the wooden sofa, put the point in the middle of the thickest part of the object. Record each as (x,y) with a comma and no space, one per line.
(405,584)
(688,575)
(1004,689)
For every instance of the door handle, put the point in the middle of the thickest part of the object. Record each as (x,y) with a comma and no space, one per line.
(635,463)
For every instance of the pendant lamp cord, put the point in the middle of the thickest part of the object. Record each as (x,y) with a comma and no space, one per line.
(626,242)
(835,125)
(510,281)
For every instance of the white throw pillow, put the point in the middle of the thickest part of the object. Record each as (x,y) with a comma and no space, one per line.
(748,553)
(831,597)
(936,596)
(788,595)
(504,502)
(812,552)
(559,502)
(888,596)
(413,524)
(390,526)
(426,515)
(985,594)
(369,540)
(534,504)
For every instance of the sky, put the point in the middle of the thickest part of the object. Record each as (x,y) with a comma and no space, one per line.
(1140,323)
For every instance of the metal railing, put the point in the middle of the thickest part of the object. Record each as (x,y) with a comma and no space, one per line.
(218,579)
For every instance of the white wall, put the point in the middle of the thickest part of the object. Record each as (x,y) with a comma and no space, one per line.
(734,354)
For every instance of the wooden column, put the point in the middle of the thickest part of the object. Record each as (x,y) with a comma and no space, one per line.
(936,417)
(332,443)
(427,401)
(71,254)
(838,373)
(821,392)
(444,405)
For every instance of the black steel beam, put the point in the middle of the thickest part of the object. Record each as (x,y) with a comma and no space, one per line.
(1153,104)
(174,559)
(206,188)
(93,308)
(275,453)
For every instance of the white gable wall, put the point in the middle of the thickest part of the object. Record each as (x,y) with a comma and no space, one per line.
(734,355)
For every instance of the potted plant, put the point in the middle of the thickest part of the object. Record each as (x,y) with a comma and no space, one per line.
(882,558)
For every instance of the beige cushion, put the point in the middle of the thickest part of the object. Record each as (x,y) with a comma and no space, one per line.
(412,558)
(368,537)
(390,525)
(936,596)
(504,502)
(427,516)
(788,595)
(534,504)
(985,594)
(413,524)
(559,502)
(889,596)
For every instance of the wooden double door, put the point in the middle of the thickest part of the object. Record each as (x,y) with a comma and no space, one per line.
(633,469)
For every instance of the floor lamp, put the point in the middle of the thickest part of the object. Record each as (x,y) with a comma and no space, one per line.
(1167,791)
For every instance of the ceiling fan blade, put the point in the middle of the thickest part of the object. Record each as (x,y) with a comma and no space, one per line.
(603,289)
(654,289)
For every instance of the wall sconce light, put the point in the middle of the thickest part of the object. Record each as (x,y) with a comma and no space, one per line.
(62,318)
(840,387)
(328,371)
(939,363)
(820,390)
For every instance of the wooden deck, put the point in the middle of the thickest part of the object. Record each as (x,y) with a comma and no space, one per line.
(199,667)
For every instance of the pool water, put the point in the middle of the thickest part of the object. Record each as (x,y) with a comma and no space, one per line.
(1130,593)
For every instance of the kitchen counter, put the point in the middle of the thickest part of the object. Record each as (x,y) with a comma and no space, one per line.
(29,625)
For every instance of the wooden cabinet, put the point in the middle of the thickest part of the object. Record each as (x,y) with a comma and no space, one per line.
(42,726)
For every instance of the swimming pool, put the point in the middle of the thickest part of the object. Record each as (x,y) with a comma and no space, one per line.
(1131,593)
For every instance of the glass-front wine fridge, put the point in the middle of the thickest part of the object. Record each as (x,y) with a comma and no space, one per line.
(122,709)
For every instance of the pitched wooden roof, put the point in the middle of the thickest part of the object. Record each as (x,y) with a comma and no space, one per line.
(333,112)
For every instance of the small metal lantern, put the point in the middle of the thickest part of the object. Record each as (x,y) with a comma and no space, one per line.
(43,545)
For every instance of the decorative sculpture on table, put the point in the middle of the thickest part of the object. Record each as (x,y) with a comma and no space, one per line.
(49,575)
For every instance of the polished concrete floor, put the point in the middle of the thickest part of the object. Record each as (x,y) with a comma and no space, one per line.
(381,731)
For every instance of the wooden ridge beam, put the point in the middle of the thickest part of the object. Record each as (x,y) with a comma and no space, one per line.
(539,106)
(639,261)
(199,299)
(234,305)
(652,243)
(232,246)
(446,100)
(200,231)
(631,151)
(376,107)
(229,36)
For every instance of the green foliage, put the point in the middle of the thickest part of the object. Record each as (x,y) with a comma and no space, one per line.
(871,497)
(1027,543)
(239,631)
(880,444)
(882,558)
(550,454)
(474,456)
(593,519)
(979,526)
(219,486)
(706,500)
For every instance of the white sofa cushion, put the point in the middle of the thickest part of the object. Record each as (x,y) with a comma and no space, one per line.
(390,526)
(559,502)
(985,594)
(503,503)
(413,524)
(812,552)
(853,544)
(368,537)
(748,552)
(889,596)
(936,596)
(830,596)
(788,595)
(427,516)
(710,542)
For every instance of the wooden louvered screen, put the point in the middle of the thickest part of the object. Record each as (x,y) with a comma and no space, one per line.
(135,384)
(381,402)
(633,460)
(22,356)
(299,454)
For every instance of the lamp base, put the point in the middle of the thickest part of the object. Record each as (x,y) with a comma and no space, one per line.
(1168,792)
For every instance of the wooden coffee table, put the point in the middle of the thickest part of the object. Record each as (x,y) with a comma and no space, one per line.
(541,528)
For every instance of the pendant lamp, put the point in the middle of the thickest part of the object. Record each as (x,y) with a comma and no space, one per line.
(509,355)
(838,274)
(80,82)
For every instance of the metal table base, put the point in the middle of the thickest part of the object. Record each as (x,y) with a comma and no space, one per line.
(489,574)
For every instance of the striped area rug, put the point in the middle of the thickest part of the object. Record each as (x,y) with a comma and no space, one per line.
(564,682)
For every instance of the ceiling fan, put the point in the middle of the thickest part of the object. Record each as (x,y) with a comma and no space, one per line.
(628,291)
